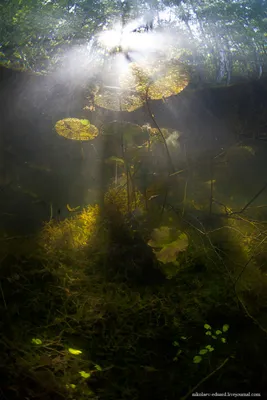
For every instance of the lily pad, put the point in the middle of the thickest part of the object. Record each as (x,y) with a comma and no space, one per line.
(156,80)
(76,129)
(118,100)
(130,133)
(129,89)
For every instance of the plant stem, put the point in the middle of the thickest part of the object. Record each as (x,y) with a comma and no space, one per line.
(205,379)
(172,169)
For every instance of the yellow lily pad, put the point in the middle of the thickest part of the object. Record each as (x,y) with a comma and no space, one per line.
(76,129)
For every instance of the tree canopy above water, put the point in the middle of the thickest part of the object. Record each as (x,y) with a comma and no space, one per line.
(220,39)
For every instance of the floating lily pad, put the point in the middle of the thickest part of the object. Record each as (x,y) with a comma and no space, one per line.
(118,100)
(126,130)
(154,80)
(76,129)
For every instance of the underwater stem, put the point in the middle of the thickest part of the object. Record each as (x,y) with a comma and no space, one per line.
(172,169)
(205,379)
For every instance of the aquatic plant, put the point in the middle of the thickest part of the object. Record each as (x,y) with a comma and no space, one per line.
(170,242)
(76,129)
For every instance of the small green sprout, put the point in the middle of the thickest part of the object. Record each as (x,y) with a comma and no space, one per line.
(98,368)
(215,334)
(210,348)
(71,386)
(75,352)
(37,341)
(203,351)
(84,374)
(197,359)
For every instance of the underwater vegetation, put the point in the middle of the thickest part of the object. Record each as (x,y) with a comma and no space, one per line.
(156,288)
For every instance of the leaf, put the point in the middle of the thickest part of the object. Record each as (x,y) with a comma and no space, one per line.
(160,237)
(126,130)
(208,333)
(114,159)
(207,326)
(98,368)
(176,344)
(84,374)
(197,359)
(163,238)
(218,332)
(168,253)
(37,341)
(209,347)
(76,129)
(223,340)
(184,337)
(71,386)
(75,352)
(225,328)
(203,351)
(213,337)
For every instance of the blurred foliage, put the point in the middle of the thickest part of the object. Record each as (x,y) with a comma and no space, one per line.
(220,39)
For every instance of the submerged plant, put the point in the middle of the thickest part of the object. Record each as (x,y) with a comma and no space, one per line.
(215,335)
(168,243)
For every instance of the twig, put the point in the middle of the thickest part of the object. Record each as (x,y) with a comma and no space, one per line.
(185,196)
(205,379)
(211,184)
(3,297)
(251,201)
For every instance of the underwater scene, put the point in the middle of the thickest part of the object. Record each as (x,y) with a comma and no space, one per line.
(133,199)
